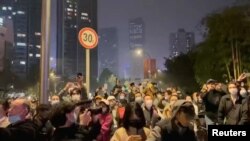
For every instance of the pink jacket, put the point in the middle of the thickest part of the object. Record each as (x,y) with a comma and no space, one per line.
(106,123)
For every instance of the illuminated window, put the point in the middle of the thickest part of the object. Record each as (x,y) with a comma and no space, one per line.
(1,21)
(21,35)
(38,55)
(4,8)
(20,44)
(13,13)
(10,8)
(37,33)
(20,12)
(22,62)
(69,9)
(30,55)
(9,17)
(84,14)
(38,46)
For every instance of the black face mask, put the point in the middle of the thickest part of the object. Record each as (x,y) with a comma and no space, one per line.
(136,123)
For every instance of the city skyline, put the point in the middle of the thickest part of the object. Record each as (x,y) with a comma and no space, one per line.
(161,18)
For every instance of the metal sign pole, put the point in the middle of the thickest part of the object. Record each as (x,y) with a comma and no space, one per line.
(88,71)
(45,40)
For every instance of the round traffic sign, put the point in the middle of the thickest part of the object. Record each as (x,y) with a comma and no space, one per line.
(88,38)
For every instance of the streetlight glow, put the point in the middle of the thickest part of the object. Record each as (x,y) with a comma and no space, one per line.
(139,52)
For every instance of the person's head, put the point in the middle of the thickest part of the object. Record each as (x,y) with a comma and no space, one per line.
(122,95)
(105,106)
(55,99)
(167,94)
(159,96)
(133,116)
(75,95)
(42,112)
(233,89)
(79,77)
(112,101)
(173,99)
(4,106)
(132,84)
(183,112)
(62,114)
(18,111)
(97,100)
(211,84)
(243,91)
(148,101)
(123,103)
(138,98)
(188,98)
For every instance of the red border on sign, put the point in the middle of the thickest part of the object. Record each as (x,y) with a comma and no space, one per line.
(80,39)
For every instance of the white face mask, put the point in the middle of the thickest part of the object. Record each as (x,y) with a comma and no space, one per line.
(76,97)
(148,103)
(122,97)
(14,119)
(233,91)
(243,92)
(53,102)
(104,109)
(138,99)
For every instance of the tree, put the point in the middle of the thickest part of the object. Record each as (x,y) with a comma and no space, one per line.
(180,72)
(224,53)
(105,75)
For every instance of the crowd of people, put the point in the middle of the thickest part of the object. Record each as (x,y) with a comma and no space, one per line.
(140,112)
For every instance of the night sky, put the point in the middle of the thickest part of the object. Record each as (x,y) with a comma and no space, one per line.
(161,18)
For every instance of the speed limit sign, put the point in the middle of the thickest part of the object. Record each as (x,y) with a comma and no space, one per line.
(88,38)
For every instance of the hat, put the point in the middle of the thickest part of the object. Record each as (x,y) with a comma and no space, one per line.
(98,97)
(182,103)
(105,101)
(209,81)
(111,98)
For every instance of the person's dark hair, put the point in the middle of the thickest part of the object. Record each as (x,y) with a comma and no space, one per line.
(79,74)
(188,109)
(75,89)
(58,113)
(130,109)
(5,105)
(132,84)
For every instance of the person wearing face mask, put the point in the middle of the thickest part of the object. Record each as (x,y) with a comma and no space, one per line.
(105,120)
(150,112)
(138,98)
(134,125)
(122,96)
(243,92)
(233,108)
(55,99)
(20,127)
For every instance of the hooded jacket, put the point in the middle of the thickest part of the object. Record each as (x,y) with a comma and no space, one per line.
(171,131)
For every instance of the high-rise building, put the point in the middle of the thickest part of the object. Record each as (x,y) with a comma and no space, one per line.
(181,42)
(108,50)
(136,41)
(6,43)
(72,16)
(26,16)
(136,33)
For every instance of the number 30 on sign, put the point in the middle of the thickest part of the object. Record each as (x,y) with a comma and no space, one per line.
(88,38)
